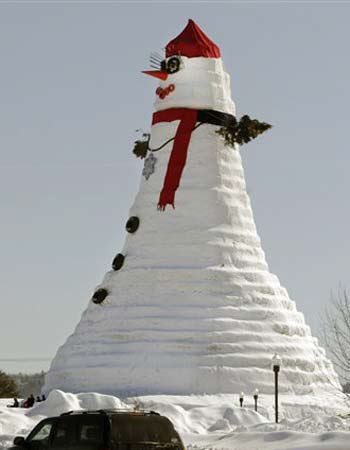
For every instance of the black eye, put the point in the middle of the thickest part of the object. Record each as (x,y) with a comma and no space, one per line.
(173,65)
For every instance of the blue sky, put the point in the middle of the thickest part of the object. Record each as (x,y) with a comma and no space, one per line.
(71,97)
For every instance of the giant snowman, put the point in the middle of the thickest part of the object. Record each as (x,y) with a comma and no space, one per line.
(190,305)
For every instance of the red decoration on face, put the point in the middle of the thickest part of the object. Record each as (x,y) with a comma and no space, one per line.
(192,42)
(162,93)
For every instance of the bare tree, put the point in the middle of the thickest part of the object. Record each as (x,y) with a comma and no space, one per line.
(335,332)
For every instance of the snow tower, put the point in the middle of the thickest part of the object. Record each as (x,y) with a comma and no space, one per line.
(190,305)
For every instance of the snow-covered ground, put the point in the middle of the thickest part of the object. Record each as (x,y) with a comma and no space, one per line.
(210,422)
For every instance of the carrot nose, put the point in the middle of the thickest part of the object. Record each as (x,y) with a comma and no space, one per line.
(156,73)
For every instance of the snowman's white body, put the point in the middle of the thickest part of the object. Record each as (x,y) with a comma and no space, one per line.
(194,309)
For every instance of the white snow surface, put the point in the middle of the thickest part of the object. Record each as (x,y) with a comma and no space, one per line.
(195,309)
(210,422)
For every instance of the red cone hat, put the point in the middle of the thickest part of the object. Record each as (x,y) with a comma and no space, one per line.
(192,42)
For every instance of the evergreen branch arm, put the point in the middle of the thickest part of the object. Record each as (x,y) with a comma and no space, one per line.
(242,131)
(141,147)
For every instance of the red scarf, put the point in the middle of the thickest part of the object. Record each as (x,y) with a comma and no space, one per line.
(177,160)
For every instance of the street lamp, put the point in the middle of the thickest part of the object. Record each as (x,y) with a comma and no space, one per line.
(255,395)
(241,398)
(276,364)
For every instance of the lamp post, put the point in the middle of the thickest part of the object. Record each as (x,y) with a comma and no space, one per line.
(276,364)
(241,398)
(255,395)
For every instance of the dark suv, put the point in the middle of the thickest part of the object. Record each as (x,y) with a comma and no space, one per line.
(103,430)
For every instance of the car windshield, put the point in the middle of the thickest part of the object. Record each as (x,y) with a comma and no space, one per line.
(41,432)
(143,429)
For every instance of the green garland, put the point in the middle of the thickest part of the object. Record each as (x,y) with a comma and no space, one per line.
(242,131)
(141,146)
(236,132)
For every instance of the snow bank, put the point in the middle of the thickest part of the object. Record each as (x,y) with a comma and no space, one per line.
(59,402)
(202,421)
(279,440)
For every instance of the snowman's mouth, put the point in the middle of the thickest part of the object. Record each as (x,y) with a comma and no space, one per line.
(162,93)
